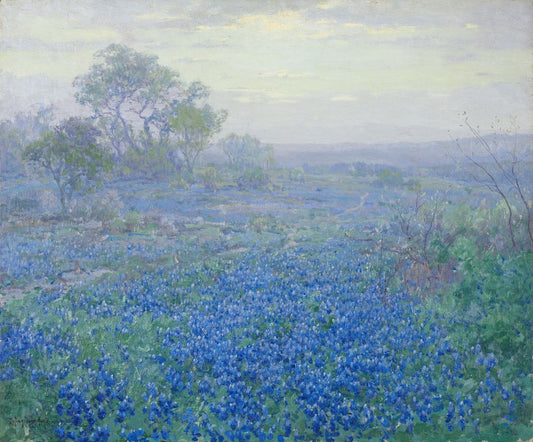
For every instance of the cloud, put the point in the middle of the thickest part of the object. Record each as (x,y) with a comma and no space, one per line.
(381,30)
(283,74)
(158,16)
(361,60)
(343,98)
(250,94)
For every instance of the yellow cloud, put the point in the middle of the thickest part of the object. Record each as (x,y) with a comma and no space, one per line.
(157,16)
(354,25)
(381,30)
(282,21)
(321,35)
(250,19)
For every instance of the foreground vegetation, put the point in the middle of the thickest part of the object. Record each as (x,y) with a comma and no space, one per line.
(299,313)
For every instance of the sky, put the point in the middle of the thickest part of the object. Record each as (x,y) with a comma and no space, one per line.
(299,71)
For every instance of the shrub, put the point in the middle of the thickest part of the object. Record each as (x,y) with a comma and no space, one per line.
(255,178)
(209,178)
(80,210)
(297,174)
(132,221)
(389,178)
(152,163)
(106,208)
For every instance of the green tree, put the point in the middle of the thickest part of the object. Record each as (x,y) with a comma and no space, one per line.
(132,96)
(246,152)
(10,142)
(70,153)
(125,90)
(16,133)
(192,129)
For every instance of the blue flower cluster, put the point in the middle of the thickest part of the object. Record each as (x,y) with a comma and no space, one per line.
(41,255)
(290,345)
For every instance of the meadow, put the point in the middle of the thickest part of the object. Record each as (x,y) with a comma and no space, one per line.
(329,305)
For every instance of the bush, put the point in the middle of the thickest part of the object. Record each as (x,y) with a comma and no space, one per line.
(266,223)
(105,209)
(49,201)
(20,206)
(494,294)
(297,175)
(389,178)
(209,178)
(132,221)
(151,163)
(79,210)
(255,178)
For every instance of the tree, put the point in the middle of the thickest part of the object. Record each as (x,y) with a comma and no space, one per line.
(23,129)
(70,153)
(192,129)
(246,152)
(132,96)
(125,84)
(506,171)
(10,141)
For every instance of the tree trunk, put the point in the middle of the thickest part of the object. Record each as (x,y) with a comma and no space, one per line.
(62,196)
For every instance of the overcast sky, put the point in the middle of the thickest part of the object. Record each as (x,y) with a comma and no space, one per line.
(293,71)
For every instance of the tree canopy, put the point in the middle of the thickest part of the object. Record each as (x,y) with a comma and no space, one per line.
(70,153)
(192,129)
(16,133)
(142,106)
(245,152)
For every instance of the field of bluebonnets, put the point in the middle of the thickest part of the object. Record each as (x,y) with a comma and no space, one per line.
(305,310)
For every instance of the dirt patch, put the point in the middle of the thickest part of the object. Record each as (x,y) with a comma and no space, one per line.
(65,280)
(8,294)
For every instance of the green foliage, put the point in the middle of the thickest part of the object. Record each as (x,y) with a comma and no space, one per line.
(192,129)
(19,206)
(488,226)
(106,208)
(154,123)
(125,89)
(494,294)
(19,407)
(388,178)
(132,221)
(246,152)
(264,223)
(256,178)
(71,155)
(210,178)
(297,174)
(17,133)
(485,284)
(151,163)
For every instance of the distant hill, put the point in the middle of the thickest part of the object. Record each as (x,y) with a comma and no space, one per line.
(403,155)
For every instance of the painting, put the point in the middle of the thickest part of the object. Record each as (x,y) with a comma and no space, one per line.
(241,220)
